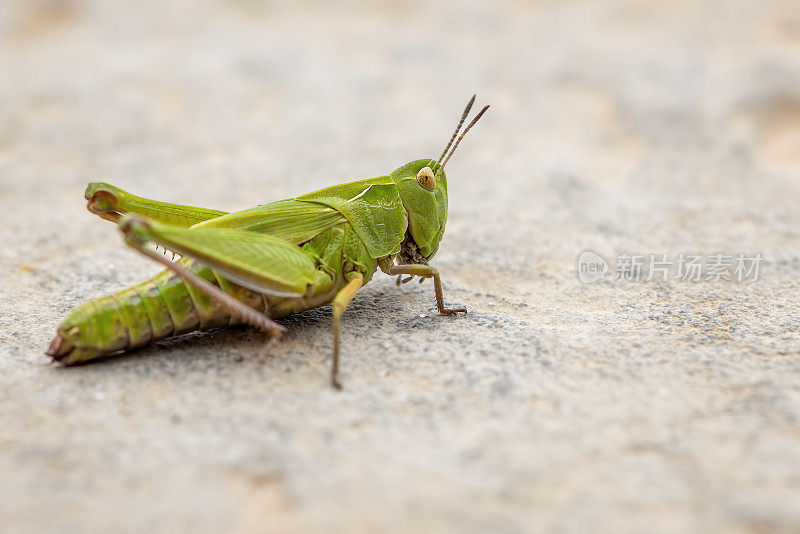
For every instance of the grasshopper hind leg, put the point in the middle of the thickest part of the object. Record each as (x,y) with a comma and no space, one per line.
(236,307)
(260,262)
(111,203)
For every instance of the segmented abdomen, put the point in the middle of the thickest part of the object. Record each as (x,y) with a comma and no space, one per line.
(160,307)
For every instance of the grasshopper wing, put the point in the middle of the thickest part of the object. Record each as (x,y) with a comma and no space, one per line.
(294,221)
(259,262)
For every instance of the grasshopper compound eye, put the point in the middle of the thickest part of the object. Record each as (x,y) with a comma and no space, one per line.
(426,179)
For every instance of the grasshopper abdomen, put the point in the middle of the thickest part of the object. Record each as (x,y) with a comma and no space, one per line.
(158,308)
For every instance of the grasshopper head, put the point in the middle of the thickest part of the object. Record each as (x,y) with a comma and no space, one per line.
(424,197)
(423,189)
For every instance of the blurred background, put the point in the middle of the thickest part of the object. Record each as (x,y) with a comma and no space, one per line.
(618,126)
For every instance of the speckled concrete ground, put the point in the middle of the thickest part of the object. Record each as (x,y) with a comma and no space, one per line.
(623,128)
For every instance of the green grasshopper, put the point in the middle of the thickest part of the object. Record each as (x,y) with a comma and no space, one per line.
(256,265)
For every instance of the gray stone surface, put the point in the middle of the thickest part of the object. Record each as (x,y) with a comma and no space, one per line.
(622,127)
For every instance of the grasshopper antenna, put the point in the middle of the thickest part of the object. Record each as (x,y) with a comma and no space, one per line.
(460,123)
(470,125)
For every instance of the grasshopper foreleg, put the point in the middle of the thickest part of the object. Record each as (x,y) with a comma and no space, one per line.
(426,271)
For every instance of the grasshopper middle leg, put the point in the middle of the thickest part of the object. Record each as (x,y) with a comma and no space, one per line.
(340,302)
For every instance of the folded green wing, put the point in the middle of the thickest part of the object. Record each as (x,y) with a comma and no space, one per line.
(260,262)
(291,220)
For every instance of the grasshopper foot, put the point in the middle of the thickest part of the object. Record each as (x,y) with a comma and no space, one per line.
(449,312)
(336,384)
